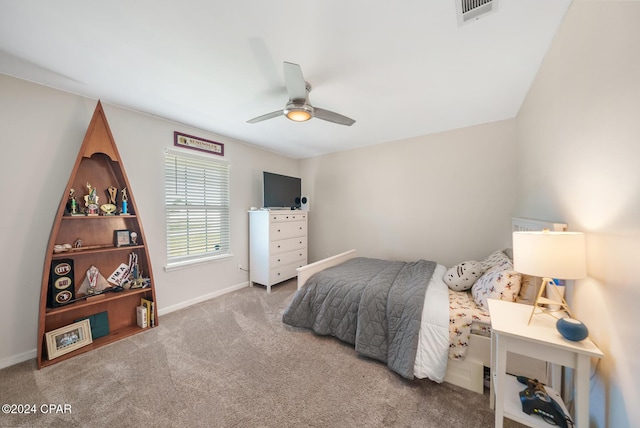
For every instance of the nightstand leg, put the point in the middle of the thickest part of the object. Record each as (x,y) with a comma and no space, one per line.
(500,375)
(583,367)
(492,373)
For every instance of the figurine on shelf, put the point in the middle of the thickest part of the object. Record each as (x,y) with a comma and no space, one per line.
(134,238)
(72,206)
(110,207)
(91,200)
(94,282)
(125,199)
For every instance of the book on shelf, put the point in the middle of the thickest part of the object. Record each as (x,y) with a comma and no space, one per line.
(141,317)
(149,305)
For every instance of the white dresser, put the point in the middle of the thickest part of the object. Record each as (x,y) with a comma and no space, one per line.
(278,245)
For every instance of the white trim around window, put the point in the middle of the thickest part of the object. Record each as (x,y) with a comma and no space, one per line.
(197,208)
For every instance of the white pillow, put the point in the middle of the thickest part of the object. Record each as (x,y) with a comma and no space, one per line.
(497,259)
(499,282)
(462,276)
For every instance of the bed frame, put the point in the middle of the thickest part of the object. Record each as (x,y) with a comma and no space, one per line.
(467,373)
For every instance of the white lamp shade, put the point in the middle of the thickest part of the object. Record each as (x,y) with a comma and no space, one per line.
(546,254)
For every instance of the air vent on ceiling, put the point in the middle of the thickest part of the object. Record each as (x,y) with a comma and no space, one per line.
(471,10)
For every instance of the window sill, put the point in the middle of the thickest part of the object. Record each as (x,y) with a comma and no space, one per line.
(170,267)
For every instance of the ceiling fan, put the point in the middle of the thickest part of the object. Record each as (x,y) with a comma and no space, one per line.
(298,108)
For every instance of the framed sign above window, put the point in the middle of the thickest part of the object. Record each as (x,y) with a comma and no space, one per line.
(196,143)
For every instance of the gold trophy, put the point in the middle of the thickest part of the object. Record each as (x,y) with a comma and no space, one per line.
(110,207)
(91,201)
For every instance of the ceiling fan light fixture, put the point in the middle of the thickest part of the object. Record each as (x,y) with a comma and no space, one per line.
(298,112)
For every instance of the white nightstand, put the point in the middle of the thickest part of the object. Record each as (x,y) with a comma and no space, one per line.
(541,340)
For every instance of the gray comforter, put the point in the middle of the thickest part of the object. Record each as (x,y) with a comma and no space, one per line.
(373,304)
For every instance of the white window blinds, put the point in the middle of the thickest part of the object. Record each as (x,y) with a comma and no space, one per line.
(197,207)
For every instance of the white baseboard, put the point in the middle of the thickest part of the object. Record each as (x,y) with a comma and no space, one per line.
(204,297)
(19,358)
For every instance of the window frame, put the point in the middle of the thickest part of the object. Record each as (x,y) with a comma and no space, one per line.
(194,161)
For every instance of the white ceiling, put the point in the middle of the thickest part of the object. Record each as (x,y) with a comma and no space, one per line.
(400,69)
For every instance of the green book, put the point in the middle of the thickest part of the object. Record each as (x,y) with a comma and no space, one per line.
(99,324)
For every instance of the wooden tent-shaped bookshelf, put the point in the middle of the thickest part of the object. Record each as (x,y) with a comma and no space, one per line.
(107,236)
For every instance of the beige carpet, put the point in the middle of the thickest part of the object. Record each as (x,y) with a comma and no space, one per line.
(231,362)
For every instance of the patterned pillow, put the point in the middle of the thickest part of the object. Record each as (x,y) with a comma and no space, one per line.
(497,259)
(499,282)
(462,276)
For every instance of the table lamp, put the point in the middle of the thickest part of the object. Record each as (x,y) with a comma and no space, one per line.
(546,254)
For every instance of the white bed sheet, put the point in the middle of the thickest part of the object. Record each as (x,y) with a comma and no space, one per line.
(433,340)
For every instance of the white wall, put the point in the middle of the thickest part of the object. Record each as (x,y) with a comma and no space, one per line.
(446,197)
(578,151)
(42,131)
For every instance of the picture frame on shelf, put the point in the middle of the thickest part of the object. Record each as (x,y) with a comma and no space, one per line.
(122,238)
(68,338)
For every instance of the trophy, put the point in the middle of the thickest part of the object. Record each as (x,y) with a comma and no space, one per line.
(72,206)
(91,200)
(125,199)
(110,207)
(94,282)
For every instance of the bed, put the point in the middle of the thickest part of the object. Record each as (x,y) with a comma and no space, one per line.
(432,330)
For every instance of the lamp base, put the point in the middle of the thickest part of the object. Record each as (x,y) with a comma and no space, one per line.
(545,301)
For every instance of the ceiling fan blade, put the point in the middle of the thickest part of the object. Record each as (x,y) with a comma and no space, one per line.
(265,116)
(330,116)
(293,78)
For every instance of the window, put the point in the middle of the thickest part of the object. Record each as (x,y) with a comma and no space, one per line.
(197,208)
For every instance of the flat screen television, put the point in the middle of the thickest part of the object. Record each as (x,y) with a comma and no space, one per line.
(281,191)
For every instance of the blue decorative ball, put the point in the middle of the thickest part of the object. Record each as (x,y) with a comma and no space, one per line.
(572,329)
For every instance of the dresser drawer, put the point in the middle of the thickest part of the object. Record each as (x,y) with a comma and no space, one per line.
(285,230)
(279,218)
(285,272)
(277,247)
(278,260)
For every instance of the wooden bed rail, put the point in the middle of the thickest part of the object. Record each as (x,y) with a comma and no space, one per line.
(305,272)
